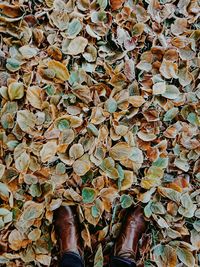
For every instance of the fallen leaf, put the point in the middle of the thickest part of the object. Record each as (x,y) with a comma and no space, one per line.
(59,69)
(48,151)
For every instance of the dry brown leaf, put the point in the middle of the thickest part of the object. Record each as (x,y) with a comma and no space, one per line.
(59,69)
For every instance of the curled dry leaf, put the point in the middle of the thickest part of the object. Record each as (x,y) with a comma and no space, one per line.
(60,19)
(15,90)
(82,165)
(136,101)
(32,211)
(146,136)
(116,4)
(76,46)
(48,151)
(26,120)
(171,92)
(169,69)
(76,151)
(159,88)
(33,95)
(28,52)
(59,69)
(17,240)
(120,151)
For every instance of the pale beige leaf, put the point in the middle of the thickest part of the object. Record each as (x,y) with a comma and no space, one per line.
(77,46)
(159,88)
(82,165)
(120,151)
(136,101)
(76,151)
(33,95)
(15,90)
(48,151)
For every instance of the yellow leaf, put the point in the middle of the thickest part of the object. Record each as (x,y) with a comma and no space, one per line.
(59,69)
(120,151)
(48,151)
(15,90)
(129,179)
(136,100)
(34,96)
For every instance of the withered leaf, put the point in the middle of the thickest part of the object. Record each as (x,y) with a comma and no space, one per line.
(82,165)
(59,69)
(26,120)
(120,151)
(15,90)
(33,95)
(48,151)
(76,46)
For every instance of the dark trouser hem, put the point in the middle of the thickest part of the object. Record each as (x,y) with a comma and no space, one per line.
(71,259)
(121,262)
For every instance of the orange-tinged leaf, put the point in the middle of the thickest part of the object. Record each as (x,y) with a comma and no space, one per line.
(116,4)
(33,95)
(136,101)
(120,151)
(59,69)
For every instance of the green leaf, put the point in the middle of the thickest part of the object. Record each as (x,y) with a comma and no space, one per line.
(126,201)
(182,164)
(95,212)
(88,195)
(33,211)
(108,166)
(161,163)
(102,3)
(2,170)
(152,178)
(26,120)
(60,168)
(111,105)
(121,175)
(4,191)
(63,124)
(13,64)
(158,250)
(50,89)
(193,119)
(136,155)
(74,27)
(148,210)
(185,257)
(92,129)
(196,225)
(158,208)
(170,193)
(35,190)
(16,90)
(28,52)
(171,114)
(171,92)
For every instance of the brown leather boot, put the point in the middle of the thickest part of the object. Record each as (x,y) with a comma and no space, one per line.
(67,230)
(132,229)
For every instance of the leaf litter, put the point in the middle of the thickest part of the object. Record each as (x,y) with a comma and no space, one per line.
(99,109)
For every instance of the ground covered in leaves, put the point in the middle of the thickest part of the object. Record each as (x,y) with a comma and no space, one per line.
(99,108)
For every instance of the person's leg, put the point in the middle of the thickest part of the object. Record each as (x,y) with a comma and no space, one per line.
(121,262)
(69,238)
(71,259)
(126,246)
